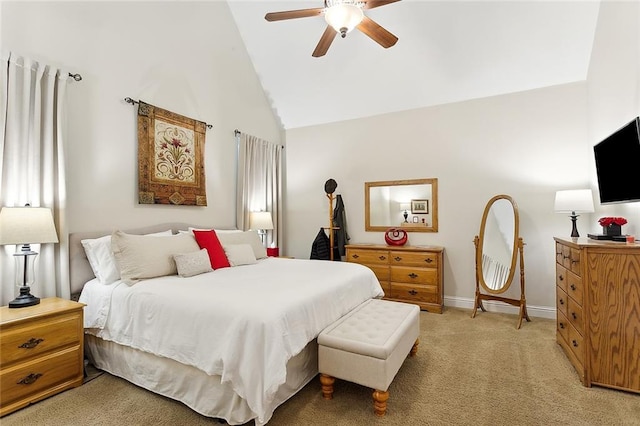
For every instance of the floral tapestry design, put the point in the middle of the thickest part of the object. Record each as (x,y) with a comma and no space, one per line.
(170,158)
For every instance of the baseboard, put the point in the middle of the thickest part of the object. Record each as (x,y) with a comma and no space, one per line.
(548,312)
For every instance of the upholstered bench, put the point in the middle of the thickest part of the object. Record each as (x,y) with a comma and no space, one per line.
(368,346)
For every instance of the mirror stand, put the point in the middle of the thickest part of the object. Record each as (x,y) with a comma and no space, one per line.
(479,296)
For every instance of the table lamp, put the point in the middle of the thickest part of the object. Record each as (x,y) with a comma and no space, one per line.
(262,222)
(24,226)
(574,201)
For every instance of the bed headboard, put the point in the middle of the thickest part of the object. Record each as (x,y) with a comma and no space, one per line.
(79,269)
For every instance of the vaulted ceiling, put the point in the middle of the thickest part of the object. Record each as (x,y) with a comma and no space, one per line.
(448,51)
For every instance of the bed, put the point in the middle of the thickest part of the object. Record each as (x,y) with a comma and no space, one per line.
(234,343)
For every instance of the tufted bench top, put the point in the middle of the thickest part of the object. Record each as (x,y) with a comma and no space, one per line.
(373,329)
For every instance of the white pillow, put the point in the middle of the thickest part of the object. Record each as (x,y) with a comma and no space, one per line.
(240,254)
(139,257)
(246,237)
(190,264)
(218,231)
(101,259)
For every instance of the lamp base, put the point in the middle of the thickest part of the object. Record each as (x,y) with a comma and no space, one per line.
(24,299)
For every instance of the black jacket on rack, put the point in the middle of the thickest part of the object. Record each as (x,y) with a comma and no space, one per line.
(321,247)
(340,236)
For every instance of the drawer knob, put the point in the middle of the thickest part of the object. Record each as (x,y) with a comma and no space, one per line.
(560,278)
(561,301)
(573,287)
(561,325)
(573,314)
(31,378)
(429,260)
(382,257)
(574,343)
(397,258)
(31,343)
(412,275)
(355,256)
(566,257)
(574,261)
(413,292)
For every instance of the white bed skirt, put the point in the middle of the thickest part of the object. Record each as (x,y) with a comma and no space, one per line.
(193,387)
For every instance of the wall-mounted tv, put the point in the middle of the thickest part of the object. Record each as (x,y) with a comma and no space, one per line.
(618,165)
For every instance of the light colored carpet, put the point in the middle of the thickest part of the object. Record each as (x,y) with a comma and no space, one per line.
(479,371)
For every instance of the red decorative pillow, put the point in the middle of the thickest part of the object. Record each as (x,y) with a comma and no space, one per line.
(209,240)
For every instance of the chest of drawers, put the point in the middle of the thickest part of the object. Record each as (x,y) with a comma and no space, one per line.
(598,310)
(411,274)
(41,351)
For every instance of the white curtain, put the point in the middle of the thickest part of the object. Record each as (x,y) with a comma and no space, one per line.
(32,112)
(260,184)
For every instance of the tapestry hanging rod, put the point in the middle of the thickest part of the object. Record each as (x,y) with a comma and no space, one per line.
(76,77)
(132,102)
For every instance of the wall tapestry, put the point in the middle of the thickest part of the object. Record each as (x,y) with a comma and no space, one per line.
(170,158)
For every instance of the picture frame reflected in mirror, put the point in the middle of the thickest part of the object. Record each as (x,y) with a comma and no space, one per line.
(419,206)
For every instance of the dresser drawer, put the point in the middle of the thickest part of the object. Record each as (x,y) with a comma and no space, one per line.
(574,315)
(561,277)
(40,376)
(382,272)
(576,344)
(414,275)
(575,288)
(368,257)
(562,326)
(421,259)
(37,337)
(561,300)
(414,293)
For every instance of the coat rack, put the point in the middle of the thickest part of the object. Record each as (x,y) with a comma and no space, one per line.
(330,187)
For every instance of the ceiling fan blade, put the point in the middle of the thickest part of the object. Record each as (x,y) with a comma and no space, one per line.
(370,4)
(325,41)
(378,34)
(293,14)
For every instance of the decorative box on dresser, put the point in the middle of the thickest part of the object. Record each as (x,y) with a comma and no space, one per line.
(411,274)
(41,351)
(598,310)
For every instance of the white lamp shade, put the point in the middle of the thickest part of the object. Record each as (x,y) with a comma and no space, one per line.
(260,220)
(574,200)
(405,206)
(27,225)
(343,15)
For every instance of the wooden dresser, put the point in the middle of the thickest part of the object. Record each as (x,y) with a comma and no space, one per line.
(598,310)
(41,351)
(410,274)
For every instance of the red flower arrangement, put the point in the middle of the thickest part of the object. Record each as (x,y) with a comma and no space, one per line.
(608,221)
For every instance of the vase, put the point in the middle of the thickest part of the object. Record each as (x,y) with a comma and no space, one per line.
(612,230)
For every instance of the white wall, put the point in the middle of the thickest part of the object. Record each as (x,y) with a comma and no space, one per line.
(527,145)
(181,56)
(614,91)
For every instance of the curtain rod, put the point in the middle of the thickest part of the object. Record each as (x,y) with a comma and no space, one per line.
(76,77)
(237,132)
(132,102)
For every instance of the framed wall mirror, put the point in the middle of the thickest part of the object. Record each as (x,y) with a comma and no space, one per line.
(408,204)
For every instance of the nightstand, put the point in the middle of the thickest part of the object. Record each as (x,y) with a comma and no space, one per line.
(41,351)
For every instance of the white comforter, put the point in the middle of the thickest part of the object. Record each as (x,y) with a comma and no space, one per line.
(242,323)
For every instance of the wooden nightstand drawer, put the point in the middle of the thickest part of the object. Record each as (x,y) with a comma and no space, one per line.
(574,287)
(39,336)
(414,259)
(382,272)
(562,326)
(414,275)
(574,315)
(561,277)
(414,293)
(561,301)
(576,344)
(38,378)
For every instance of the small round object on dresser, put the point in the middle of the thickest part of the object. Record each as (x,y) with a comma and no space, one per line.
(395,237)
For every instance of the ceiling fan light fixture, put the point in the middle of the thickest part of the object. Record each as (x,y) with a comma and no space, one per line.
(343,15)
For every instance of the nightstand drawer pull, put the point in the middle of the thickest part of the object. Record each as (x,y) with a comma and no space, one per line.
(573,287)
(560,277)
(561,301)
(355,256)
(429,260)
(382,257)
(31,378)
(413,292)
(412,275)
(397,258)
(32,343)
(561,325)
(573,314)
(574,343)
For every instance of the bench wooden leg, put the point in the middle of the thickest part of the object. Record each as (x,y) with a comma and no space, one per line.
(380,402)
(414,349)
(327,385)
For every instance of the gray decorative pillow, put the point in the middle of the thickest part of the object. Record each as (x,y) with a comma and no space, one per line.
(190,264)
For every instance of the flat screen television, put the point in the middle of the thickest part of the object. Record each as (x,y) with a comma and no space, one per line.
(618,165)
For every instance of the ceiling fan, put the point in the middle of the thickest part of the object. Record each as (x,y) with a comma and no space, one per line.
(342,16)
